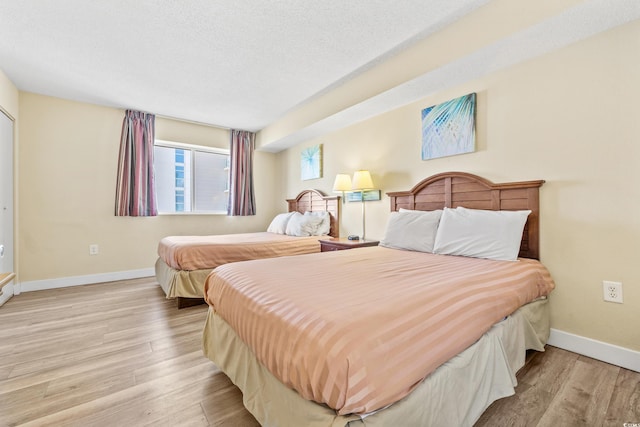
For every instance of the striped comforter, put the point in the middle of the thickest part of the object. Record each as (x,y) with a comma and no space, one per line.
(207,252)
(359,329)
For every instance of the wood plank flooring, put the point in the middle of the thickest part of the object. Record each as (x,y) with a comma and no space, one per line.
(120,354)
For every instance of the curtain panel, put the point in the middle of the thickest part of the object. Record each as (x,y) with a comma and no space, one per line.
(135,190)
(241,194)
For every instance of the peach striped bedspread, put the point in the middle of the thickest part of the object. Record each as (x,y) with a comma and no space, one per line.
(205,252)
(357,330)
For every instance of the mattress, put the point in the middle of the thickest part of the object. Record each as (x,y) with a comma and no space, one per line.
(207,252)
(329,325)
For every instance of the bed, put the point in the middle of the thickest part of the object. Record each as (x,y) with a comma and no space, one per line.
(184,262)
(384,336)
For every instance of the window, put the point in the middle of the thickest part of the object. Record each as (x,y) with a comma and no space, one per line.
(191,178)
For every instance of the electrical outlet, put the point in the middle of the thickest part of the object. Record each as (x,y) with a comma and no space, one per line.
(612,291)
(93,249)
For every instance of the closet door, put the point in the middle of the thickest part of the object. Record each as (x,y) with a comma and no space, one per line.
(6,194)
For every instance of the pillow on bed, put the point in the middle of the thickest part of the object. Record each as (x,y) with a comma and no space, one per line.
(279,223)
(302,225)
(412,230)
(481,233)
(325,225)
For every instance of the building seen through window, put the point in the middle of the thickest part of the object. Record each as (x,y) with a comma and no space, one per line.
(191,178)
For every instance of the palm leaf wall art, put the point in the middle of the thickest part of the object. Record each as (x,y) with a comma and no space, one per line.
(311,162)
(449,128)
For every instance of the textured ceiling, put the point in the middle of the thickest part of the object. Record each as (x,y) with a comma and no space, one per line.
(238,64)
(244,64)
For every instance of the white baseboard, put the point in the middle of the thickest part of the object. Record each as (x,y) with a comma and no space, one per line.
(606,352)
(63,282)
(6,293)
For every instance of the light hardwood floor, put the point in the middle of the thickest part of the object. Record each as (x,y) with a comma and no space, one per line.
(119,354)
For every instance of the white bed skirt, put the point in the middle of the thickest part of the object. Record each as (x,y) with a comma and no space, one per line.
(180,283)
(456,393)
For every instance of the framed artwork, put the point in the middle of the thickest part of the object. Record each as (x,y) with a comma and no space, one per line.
(369,196)
(449,128)
(311,162)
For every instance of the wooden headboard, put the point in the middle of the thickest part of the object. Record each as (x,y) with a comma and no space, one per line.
(315,201)
(453,189)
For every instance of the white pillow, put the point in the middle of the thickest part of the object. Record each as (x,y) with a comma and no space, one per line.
(480,233)
(325,225)
(301,225)
(412,230)
(279,223)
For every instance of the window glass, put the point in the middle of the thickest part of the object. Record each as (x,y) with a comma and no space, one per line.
(191,178)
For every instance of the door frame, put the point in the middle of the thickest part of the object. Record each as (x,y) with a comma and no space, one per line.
(10,289)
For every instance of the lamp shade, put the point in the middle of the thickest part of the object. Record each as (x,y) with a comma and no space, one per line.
(342,183)
(362,181)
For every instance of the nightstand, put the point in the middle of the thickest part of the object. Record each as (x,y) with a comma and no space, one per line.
(342,243)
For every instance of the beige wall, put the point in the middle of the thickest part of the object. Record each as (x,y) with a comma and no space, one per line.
(570,118)
(68,158)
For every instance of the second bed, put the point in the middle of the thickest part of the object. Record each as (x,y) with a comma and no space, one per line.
(184,262)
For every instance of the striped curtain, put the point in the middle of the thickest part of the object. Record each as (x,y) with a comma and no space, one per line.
(241,198)
(135,191)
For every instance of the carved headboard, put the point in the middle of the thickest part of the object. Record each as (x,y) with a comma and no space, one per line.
(315,201)
(453,189)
